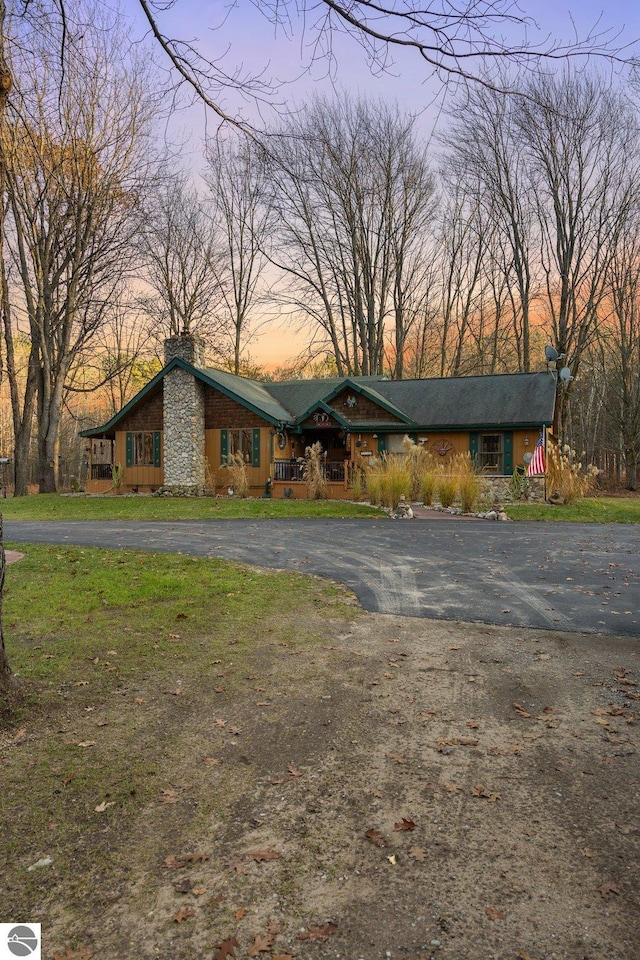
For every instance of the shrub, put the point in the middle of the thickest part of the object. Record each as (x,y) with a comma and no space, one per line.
(313,472)
(238,482)
(567,479)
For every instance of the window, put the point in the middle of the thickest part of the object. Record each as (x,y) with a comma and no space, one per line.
(240,441)
(143,448)
(490,453)
(244,442)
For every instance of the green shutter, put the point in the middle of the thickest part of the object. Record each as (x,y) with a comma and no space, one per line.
(255,459)
(129,449)
(382,442)
(507,446)
(156,448)
(473,447)
(224,446)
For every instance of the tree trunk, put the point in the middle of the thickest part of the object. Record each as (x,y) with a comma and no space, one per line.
(7,679)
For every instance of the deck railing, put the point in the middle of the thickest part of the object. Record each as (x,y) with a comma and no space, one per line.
(292,470)
(101,471)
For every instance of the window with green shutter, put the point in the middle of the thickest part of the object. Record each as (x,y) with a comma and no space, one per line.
(143,448)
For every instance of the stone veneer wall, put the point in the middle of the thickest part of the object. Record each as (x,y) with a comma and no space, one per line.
(502,490)
(184,472)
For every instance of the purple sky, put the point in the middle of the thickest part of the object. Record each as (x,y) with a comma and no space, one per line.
(253,45)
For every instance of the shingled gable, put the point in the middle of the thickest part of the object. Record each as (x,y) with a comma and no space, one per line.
(249,393)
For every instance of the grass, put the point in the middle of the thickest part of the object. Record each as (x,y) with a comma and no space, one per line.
(589,510)
(53,506)
(118,653)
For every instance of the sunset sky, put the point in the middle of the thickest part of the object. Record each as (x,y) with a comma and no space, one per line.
(252,44)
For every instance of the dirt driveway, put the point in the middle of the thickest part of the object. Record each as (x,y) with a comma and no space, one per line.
(406,789)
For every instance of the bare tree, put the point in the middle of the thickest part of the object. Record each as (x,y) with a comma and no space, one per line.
(183,259)
(353,198)
(484,147)
(242,214)
(457,42)
(580,139)
(78,155)
(621,341)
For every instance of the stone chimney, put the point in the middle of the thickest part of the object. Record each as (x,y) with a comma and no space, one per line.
(184,472)
(186,346)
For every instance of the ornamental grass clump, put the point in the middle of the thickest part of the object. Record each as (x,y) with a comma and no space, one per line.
(469,484)
(446,489)
(388,479)
(313,472)
(567,479)
(238,481)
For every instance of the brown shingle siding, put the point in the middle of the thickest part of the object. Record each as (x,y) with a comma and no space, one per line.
(223,413)
(147,416)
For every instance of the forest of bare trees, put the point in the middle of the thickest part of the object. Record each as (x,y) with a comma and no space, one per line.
(516,228)
(388,251)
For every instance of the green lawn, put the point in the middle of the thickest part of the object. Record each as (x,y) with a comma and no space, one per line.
(52,506)
(56,507)
(589,510)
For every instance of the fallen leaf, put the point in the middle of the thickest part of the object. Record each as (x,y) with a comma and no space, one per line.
(418,853)
(392,859)
(199,891)
(212,761)
(104,806)
(586,852)
(376,838)
(543,656)
(494,914)
(292,770)
(473,724)
(195,857)
(86,743)
(185,913)
(219,723)
(480,791)
(404,826)
(318,933)
(451,787)
(240,913)
(607,889)
(519,709)
(226,949)
(396,757)
(169,796)
(260,855)
(260,945)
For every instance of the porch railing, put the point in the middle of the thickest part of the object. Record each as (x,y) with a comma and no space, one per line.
(291,470)
(101,471)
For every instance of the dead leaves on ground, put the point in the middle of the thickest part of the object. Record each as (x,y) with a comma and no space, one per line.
(376,838)
(315,934)
(226,949)
(172,862)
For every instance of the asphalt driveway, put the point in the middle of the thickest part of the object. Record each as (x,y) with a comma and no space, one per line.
(573,577)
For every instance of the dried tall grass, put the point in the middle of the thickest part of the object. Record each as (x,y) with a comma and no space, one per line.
(568,480)
(313,472)
(238,480)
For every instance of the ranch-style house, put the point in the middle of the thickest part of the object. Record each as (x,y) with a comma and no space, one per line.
(175,435)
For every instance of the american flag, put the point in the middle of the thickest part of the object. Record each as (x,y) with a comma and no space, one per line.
(537,466)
